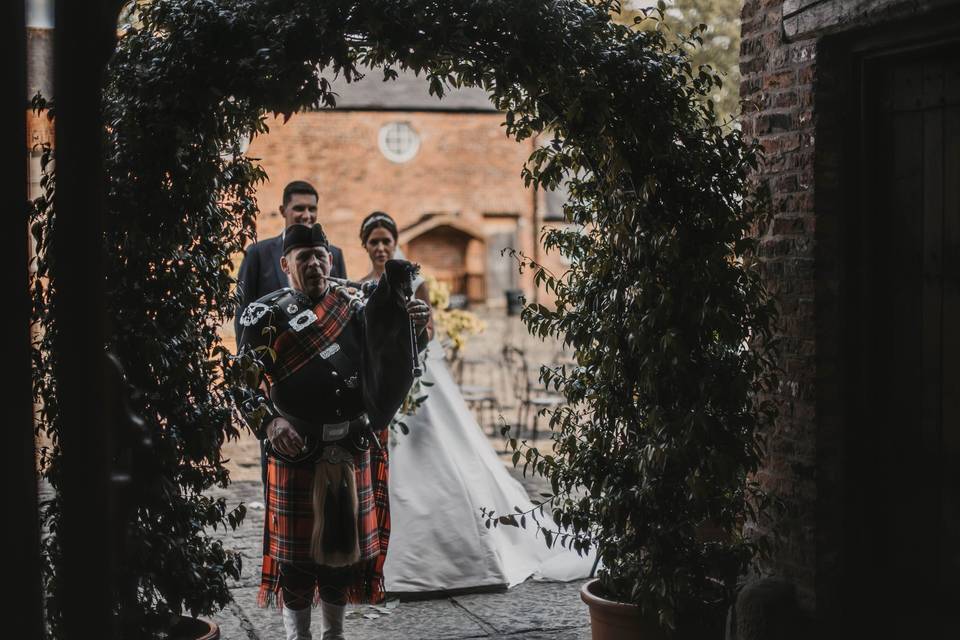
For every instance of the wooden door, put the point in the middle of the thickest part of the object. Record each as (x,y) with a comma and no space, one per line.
(442,253)
(905,544)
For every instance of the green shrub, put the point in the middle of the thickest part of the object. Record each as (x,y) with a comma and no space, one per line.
(662,425)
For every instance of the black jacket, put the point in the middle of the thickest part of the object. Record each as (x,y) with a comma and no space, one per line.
(375,343)
(260,272)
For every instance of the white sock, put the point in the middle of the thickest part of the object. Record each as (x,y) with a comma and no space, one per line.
(332,620)
(296,622)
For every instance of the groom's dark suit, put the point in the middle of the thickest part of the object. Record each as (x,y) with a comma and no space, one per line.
(260,272)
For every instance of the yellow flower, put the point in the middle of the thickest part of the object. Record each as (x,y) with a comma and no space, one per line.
(457,324)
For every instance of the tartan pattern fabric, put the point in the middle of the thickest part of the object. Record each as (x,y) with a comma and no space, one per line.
(296,348)
(368,587)
(288,524)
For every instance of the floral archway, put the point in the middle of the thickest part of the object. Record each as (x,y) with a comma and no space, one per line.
(657,304)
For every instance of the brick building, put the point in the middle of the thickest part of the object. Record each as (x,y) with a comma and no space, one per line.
(857,103)
(444,169)
(39,80)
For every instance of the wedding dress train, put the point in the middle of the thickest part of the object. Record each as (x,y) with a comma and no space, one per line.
(441,474)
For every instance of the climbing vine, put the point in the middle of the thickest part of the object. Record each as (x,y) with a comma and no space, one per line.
(663,424)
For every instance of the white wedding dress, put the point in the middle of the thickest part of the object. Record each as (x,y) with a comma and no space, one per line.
(441,474)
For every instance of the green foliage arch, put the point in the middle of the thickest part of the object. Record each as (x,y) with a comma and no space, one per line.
(663,426)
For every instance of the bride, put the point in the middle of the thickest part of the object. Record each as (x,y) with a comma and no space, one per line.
(442,473)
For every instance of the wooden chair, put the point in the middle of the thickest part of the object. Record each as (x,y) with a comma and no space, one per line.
(481,398)
(483,403)
(529,393)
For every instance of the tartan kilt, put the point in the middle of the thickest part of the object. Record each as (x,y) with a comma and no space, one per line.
(288,524)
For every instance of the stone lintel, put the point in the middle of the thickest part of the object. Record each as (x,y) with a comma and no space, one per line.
(814,18)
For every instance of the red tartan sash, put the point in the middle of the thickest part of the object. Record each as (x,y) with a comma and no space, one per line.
(295,349)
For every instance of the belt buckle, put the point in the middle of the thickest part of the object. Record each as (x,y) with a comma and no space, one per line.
(335,431)
(335,454)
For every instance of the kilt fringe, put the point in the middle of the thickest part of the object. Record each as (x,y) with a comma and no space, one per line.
(367,587)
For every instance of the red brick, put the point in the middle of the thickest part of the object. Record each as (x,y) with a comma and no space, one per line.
(785,99)
(783,225)
(774,122)
(466,165)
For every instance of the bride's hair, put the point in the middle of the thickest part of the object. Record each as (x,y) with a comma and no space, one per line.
(377,220)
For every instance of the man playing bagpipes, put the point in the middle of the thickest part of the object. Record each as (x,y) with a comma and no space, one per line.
(336,371)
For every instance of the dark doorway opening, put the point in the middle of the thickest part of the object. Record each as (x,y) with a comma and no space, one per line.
(903,476)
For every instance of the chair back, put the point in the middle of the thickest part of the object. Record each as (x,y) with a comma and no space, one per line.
(518,372)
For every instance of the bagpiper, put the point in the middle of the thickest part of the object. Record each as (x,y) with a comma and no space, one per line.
(335,371)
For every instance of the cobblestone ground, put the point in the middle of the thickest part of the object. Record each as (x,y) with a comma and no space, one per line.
(530,611)
(533,610)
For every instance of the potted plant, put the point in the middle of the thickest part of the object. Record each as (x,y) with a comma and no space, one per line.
(652,457)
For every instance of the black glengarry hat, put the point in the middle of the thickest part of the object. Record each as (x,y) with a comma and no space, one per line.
(300,235)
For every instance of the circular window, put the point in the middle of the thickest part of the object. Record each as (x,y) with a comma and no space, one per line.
(398,141)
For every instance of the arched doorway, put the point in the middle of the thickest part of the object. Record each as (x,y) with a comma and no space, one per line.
(450,250)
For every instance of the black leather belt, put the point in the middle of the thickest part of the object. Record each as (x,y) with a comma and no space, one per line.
(352,435)
(331,432)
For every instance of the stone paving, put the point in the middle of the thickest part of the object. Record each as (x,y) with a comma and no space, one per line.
(530,611)
(533,610)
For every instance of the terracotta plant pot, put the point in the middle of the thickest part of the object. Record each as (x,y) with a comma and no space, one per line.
(194,629)
(612,620)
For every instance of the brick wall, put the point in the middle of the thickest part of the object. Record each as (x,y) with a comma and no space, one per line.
(778,91)
(802,93)
(453,257)
(39,130)
(465,165)
(444,249)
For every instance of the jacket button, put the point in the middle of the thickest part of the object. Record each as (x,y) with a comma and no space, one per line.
(333,373)
(337,392)
(339,412)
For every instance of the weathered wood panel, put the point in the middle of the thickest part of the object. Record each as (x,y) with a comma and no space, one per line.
(809,18)
(950,437)
(907,413)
